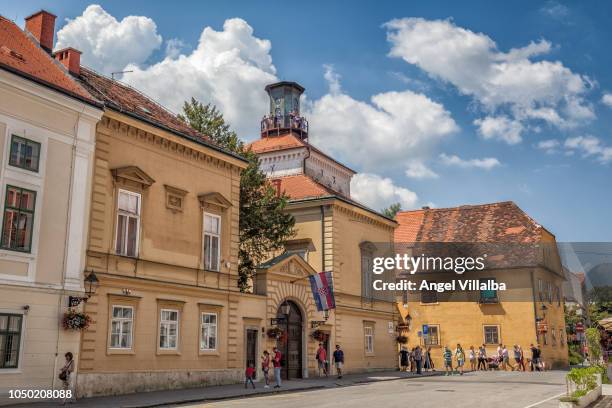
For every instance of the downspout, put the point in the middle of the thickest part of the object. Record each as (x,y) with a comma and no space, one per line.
(322,238)
(535,307)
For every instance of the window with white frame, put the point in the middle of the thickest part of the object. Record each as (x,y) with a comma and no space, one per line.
(10,339)
(24,153)
(212,242)
(208,330)
(18,221)
(168,329)
(122,326)
(128,223)
(491,334)
(368,332)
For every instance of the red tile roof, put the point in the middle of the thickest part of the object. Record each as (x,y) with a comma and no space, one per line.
(502,222)
(300,187)
(285,142)
(21,54)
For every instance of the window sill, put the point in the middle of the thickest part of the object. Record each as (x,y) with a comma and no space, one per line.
(8,371)
(110,351)
(373,354)
(429,304)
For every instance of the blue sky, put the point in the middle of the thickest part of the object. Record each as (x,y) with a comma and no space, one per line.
(531,126)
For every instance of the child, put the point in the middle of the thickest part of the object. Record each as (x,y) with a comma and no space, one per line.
(460,354)
(249,374)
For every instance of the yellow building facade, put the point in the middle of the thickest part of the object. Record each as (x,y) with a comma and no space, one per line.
(523,255)
(163,242)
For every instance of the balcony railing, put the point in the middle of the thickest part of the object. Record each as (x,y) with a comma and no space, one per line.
(282,123)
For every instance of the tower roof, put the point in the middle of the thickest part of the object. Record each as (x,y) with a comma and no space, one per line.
(285,83)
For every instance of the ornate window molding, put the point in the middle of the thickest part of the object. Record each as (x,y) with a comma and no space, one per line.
(132,175)
(175,198)
(214,201)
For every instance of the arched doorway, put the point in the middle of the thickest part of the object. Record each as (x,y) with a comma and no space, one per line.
(290,342)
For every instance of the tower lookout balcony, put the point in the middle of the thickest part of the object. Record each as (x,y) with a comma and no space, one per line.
(284,115)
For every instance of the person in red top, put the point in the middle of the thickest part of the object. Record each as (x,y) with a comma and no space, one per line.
(276,361)
(322,359)
(249,374)
(265,367)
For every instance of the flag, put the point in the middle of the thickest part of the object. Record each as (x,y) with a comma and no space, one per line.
(323,290)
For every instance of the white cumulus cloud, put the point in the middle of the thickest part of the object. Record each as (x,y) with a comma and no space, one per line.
(486,163)
(229,68)
(391,129)
(508,82)
(606,99)
(379,192)
(418,170)
(107,44)
(589,146)
(549,146)
(501,128)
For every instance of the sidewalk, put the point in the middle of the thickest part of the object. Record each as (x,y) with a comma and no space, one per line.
(216,393)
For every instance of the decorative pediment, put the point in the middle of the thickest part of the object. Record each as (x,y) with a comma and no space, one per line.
(133,174)
(214,199)
(288,264)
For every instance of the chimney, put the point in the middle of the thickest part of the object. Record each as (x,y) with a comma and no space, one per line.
(425,207)
(71,59)
(42,26)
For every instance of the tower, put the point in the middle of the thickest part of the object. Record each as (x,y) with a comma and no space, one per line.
(284,116)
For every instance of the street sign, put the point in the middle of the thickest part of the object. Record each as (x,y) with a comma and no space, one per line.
(420,334)
(277,320)
(425,329)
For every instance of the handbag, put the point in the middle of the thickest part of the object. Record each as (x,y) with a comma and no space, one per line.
(63,375)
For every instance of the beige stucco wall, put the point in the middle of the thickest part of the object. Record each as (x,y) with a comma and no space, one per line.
(168,271)
(37,284)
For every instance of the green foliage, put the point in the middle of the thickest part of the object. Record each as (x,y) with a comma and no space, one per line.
(264,225)
(600,303)
(584,378)
(392,210)
(575,358)
(594,342)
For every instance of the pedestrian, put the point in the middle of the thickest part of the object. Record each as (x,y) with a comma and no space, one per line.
(65,375)
(460,356)
(276,362)
(472,355)
(338,357)
(506,359)
(404,357)
(322,359)
(249,374)
(535,358)
(518,358)
(448,361)
(482,358)
(418,359)
(430,361)
(412,364)
(265,367)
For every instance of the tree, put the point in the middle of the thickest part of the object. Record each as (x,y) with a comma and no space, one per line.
(264,225)
(599,300)
(392,210)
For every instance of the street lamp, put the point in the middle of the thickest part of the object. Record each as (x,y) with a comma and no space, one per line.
(91,284)
(286,308)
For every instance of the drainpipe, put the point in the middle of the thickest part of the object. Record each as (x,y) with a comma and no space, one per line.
(535,306)
(322,238)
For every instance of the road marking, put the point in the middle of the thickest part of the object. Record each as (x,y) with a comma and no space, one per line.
(543,401)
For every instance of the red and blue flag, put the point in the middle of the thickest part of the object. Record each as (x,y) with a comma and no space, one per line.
(323,290)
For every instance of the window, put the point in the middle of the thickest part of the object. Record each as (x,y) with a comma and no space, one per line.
(212,238)
(561,338)
(18,219)
(558,292)
(429,296)
(168,329)
(10,339)
(491,334)
(208,329)
(488,296)
(553,336)
(25,153)
(549,292)
(122,324)
(366,270)
(368,332)
(128,223)
(541,290)
(432,337)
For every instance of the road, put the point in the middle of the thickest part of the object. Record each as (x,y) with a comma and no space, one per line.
(472,390)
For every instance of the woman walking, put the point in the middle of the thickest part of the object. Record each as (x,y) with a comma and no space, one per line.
(418,359)
(66,375)
(460,356)
(519,358)
(428,364)
(265,367)
(482,358)
(472,354)
(403,359)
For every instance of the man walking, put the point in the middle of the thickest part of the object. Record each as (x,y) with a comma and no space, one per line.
(338,357)
(448,361)
(418,359)
(276,362)
(482,357)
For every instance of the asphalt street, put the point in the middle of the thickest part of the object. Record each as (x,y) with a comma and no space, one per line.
(473,390)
